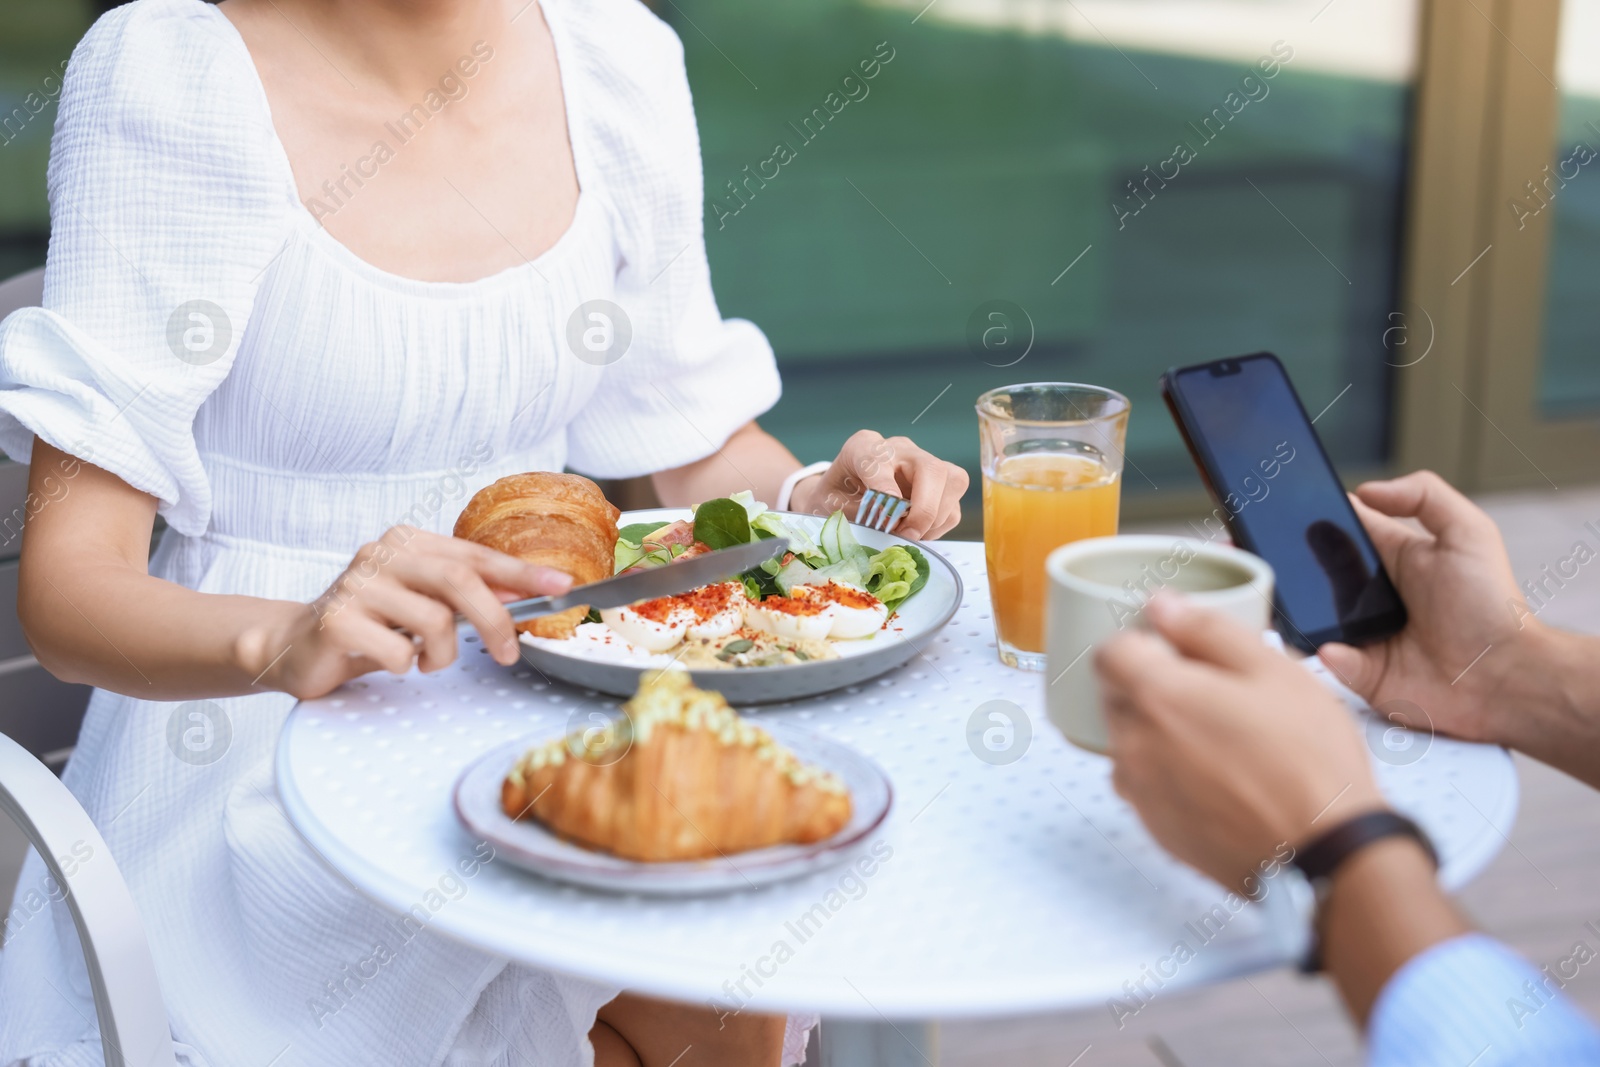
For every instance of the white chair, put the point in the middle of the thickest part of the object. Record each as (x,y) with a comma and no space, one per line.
(25,290)
(122,973)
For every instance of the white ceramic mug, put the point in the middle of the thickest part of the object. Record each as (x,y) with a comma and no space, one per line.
(1099,586)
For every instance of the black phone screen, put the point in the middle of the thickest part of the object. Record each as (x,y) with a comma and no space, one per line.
(1279,495)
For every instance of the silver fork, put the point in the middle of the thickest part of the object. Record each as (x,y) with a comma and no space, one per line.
(881,511)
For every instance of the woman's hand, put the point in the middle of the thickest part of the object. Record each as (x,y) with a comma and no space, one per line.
(754,459)
(895,465)
(1228,749)
(397,603)
(1452,658)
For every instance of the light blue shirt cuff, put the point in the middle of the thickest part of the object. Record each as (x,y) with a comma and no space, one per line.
(1470,1000)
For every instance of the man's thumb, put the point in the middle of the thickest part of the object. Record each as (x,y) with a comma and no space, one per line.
(1357,668)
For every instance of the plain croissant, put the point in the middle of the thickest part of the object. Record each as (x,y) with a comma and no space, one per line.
(555,520)
(681,778)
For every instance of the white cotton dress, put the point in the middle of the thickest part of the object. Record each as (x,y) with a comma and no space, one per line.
(321,401)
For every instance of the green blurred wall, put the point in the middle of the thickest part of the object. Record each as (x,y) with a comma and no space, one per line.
(36,36)
(1569,383)
(996,155)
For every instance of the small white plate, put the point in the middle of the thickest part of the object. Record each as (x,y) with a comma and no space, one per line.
(528,844)
(914,624)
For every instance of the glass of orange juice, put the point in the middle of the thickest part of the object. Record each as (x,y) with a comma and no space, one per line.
(1052,473)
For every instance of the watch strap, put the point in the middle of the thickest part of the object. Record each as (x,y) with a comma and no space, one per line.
(794,479)
(1324,855)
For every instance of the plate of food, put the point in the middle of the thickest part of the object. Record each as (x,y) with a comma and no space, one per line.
(679,795)
(845,604)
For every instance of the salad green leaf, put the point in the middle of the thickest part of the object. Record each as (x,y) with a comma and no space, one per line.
(893,575)
(636,532)
(924,569)
(747,500)
(722,523)
(764,583)
(768,524)
(896,573)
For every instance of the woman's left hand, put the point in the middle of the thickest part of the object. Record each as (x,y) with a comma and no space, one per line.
(895,465)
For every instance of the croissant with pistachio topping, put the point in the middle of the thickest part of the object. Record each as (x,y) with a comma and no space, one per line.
(682,777)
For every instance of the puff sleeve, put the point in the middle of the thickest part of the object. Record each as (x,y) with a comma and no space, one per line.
(169,197)
(689,378)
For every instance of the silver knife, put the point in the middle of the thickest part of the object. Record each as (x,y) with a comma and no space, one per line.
(667,580)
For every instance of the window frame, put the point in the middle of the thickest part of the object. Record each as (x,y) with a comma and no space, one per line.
(1488,109)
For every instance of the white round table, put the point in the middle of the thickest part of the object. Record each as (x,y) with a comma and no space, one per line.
(997,887)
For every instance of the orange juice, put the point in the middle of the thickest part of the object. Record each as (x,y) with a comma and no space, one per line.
(1033,503)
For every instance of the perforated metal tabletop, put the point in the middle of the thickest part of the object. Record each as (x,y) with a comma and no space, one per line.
(1008,878)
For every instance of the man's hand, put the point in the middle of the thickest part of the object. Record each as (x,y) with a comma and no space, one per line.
(1465,631)
(1229,750)
(1225,747)
(895,465)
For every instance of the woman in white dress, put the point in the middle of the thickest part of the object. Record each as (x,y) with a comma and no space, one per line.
(320,269)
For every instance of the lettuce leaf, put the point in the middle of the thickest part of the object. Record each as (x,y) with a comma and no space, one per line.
(769,524)
(753,508)
(896,574)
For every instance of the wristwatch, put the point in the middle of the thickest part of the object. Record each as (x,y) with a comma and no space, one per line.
(1319,860)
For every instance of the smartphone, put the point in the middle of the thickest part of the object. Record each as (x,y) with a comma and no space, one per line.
(1278,496)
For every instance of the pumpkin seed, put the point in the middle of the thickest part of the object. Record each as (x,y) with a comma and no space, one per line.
(743,644)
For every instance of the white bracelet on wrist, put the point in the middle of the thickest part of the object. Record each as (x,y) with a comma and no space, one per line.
(787,489)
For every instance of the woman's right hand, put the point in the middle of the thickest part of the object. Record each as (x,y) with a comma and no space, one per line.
(394,605)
